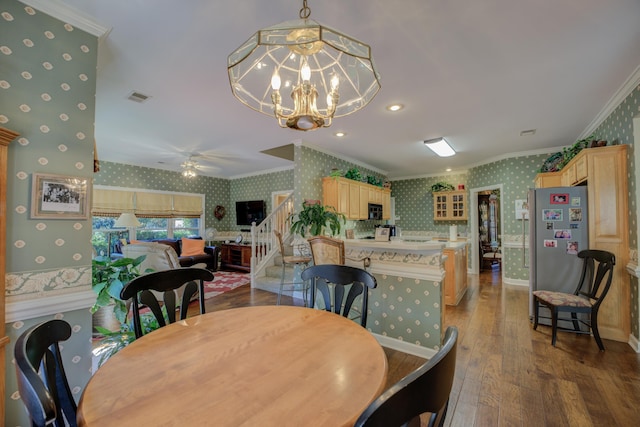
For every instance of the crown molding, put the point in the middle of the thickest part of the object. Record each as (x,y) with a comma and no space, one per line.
(57,9)
(262,172)
(627,87)
(342,157)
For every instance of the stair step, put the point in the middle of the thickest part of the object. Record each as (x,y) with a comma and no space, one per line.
(276,271)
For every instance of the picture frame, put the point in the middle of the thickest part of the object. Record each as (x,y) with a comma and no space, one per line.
(575,214)
(522,209)
(382,234)
(349,233)
(59,197)
(559,199)
(552,214)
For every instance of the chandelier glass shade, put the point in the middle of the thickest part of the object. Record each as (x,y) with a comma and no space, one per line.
(303,73)
(189,168)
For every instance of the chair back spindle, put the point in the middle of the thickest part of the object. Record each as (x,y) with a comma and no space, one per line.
(42,381)
(165,282)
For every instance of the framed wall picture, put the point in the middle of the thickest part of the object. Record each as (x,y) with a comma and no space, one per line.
(59,197)
(382,234)
(559,199)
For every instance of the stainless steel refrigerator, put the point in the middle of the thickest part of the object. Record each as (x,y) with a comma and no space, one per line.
(557,232)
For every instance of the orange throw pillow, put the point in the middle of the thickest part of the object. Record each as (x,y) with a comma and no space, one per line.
(191,247)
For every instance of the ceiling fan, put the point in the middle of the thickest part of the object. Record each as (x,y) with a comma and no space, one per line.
(190,168)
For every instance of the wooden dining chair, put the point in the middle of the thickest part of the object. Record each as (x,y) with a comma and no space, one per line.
(42,382)
(597,269)
(343,278)
(425,390)
(165,282)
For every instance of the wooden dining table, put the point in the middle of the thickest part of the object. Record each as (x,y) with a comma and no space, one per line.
(258,366)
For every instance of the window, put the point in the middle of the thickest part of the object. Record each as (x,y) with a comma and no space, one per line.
(162,215)
(104,234)
(151,228)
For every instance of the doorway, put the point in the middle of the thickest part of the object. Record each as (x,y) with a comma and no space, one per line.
(492,222)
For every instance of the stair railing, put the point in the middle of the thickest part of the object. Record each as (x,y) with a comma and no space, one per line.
(263,241)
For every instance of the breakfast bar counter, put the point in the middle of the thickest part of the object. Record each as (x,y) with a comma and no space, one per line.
(407,306)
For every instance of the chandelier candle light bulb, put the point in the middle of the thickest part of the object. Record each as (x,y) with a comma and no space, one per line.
(312,60)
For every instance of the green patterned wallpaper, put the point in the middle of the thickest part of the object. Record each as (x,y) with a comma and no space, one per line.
(414,204)
(516,176)
(216,190)
(47,94)
(257,187)
(618,129)
(406,309)
(311,166)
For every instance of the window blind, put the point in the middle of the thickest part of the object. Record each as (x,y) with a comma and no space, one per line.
(145,205)
(157,205)
(185,206)
(111,202)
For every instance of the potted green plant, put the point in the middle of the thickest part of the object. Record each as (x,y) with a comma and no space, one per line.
(107,280)
(441,186)
(315,218)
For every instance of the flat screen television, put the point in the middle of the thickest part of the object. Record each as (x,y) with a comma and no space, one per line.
(250,211)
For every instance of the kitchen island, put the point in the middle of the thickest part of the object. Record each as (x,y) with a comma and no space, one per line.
(408,304)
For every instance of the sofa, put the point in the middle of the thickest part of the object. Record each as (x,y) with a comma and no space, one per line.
(210,257)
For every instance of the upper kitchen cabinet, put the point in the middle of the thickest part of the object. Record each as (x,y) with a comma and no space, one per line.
(450,205)
(352,198)
(548,179)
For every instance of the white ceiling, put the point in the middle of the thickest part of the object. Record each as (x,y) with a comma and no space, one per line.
(477,72)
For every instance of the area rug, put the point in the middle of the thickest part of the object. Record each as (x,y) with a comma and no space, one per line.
(224,281)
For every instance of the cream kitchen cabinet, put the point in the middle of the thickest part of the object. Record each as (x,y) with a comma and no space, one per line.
(455,267)
(548,179)
(450,205)
(352,198)
(604,171)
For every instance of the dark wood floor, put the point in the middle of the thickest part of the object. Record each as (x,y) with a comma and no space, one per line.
(507,374)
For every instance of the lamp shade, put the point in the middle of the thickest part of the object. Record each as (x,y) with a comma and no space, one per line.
(127,220)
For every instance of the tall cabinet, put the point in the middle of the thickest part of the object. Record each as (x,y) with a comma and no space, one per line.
(6,136)
(604,171)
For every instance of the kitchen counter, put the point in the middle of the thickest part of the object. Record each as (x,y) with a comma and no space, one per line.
(406,308)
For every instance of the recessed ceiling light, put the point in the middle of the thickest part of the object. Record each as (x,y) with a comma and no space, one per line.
(340,134)
(395,107)
(528,132)
(448,169)
(440,146)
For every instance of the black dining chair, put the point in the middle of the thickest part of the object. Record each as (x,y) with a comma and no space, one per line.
(341,277)
(165,282)
(42,382)
(597,269)
(425,390)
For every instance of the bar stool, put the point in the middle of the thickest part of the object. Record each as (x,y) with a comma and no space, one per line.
(291,260)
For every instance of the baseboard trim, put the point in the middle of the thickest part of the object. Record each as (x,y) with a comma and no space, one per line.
(634,343)
(515,282)
(405,347)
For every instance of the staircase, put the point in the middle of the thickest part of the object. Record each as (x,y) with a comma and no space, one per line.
(266,267)
(273,272)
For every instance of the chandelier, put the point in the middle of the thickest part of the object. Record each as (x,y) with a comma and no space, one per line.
(324,72)
(189,168)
